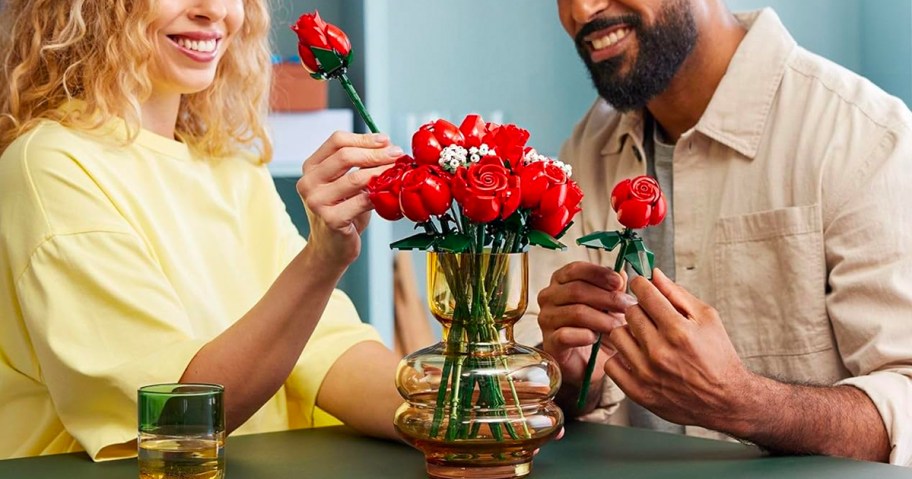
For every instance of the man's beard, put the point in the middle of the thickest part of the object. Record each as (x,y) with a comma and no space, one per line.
(663,48)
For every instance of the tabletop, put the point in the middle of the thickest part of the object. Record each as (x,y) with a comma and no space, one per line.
(587,450)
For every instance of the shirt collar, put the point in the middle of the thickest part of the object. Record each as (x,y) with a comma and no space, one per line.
(740,107)
(737,113)
(630,125)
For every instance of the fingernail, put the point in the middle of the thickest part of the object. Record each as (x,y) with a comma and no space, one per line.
(628,300)
(380,137)
(394,151)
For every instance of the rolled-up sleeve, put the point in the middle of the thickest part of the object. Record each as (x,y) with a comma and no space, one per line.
(868,242)
(339,329)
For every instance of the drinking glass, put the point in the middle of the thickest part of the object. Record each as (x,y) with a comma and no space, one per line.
(181,431)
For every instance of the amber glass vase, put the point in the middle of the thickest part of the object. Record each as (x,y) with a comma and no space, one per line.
(478,405)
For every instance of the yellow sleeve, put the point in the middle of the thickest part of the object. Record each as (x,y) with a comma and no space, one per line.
(339,329)
(100,315)
(103,322)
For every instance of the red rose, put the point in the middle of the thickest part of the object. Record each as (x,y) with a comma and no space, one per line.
(486,191)
(473,130)
(538,177)
(430,140)
(447,133)
(313,32)
(510,142)
(425,192)
(384,189)
(490,134)
(559,204)
(639,202)
(426,147)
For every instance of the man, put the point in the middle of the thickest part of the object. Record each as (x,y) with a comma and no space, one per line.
(789,320)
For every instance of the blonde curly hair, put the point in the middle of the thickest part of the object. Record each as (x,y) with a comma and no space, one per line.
(100,52)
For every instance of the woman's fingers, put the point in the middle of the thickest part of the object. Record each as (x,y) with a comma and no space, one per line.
(340,140)
(348,158)
(352,212)
(344,187)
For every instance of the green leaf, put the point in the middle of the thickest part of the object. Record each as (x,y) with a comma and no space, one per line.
(639,254)
(540,238)
(603,240)
(453,243)
(329,61)
(514,222)
(420,241)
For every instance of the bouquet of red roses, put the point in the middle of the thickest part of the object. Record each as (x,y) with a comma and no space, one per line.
(479,194)
(477,187)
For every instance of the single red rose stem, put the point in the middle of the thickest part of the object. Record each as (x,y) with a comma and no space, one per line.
(593,355)
(359,105)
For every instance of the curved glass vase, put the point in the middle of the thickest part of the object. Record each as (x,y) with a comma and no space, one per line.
(478,404)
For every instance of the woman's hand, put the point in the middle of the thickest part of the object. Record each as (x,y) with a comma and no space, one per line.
(333,190)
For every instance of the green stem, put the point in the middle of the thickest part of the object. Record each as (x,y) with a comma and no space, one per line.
(453,347)
(356,100)
(593,354)
(473,341)
(441,395)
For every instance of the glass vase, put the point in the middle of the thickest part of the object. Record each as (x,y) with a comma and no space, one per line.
(478,405)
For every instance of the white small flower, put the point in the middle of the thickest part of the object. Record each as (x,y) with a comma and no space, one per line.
(484,149)
(475,158)
(473,150)
(454,165)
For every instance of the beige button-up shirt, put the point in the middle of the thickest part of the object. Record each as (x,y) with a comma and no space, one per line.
(792,217)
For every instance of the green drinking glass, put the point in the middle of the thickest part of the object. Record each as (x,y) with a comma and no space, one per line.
(181,431)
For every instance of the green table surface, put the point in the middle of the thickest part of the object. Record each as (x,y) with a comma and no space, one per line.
(587,450)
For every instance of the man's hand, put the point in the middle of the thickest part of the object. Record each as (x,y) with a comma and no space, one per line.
(582,300)
(675,358)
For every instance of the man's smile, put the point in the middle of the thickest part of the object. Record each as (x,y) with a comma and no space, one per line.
(607,43)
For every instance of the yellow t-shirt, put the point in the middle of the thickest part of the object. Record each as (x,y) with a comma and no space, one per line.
(117,264)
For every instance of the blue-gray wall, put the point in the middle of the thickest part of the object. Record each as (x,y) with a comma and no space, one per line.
(510,61)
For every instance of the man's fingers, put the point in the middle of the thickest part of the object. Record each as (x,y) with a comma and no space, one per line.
(641,327)
(654,303)
(582,292)
(620,374)
(681,299)
(627,346)
(578,316)
(594,274)
(568,338)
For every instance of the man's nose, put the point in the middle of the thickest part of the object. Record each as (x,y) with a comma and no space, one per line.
(583,11)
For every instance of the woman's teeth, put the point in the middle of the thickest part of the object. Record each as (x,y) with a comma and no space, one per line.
(202,46)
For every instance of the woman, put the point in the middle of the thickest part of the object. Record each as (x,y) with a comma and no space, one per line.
(142,240)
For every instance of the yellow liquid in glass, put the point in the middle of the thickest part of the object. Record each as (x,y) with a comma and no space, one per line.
(181,459)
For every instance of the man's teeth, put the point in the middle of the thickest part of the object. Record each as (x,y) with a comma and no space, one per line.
(610,39)
(202,46)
